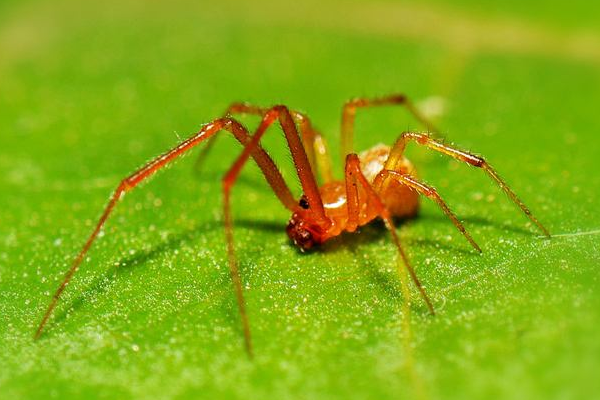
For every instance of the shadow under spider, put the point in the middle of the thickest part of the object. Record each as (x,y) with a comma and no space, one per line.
(367,234)
(481,221)
(99,286)
(376,231)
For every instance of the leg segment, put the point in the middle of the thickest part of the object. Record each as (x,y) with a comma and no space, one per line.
(309,185)
(234,108)
(314,143)
(355,177)
(322,159)
(429,192)
(471,159)
(266,164)
(349,114)
(307,180)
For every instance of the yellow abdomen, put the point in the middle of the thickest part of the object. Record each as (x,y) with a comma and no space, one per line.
(402,201)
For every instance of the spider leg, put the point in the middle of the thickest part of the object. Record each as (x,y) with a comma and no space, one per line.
(234,108)
(266,164)
(322,158)
(355,177)
(307,180)
(303,169)
(466,157)
(314,144)
(349,114)
(427,191)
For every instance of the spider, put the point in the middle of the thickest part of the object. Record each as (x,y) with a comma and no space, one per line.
(378,183)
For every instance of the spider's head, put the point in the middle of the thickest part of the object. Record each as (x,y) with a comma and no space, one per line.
(303,233)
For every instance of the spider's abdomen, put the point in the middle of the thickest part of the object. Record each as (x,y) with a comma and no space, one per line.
(402,201)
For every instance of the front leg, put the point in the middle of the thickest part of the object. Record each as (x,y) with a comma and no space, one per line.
(305,174)
(314,143)
(265,163)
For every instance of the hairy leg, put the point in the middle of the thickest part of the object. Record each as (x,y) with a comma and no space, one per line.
(266,164)
(314,144)
(427,191)
(466,157)
(307,180)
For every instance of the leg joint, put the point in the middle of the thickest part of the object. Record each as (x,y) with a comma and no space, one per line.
(351,159)
(280,109)
(356,102)
(475,161)
(398,98)
(234,108)
(226,183)
(421,138)
(431,193)
(125,186)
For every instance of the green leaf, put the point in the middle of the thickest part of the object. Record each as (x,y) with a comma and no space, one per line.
(89,92)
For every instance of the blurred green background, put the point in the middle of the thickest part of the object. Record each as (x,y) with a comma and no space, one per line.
(89,91)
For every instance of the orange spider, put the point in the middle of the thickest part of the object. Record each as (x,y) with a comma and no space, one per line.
(379,183)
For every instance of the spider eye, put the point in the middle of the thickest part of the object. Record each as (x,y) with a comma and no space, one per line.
(303,203)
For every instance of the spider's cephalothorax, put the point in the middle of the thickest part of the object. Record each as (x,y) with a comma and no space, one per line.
(378,183)
(399,199)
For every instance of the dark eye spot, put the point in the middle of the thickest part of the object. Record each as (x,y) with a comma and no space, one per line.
(304,203)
